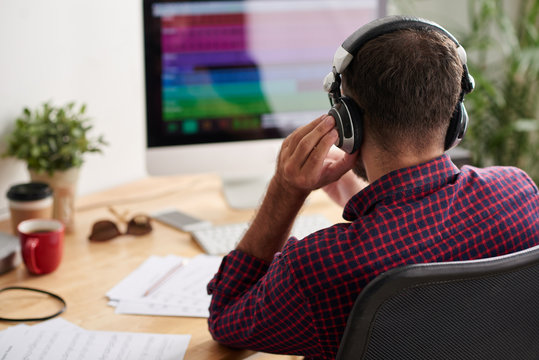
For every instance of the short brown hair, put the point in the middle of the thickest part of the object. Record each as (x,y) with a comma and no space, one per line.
(408,83)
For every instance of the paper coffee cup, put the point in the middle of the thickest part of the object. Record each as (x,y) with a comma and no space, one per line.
(29,201)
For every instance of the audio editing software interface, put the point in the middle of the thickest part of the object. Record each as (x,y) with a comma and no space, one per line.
(253,68)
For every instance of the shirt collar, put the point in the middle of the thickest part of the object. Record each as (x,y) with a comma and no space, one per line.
(401,184)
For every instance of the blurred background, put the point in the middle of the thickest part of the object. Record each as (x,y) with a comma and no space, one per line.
(92,53)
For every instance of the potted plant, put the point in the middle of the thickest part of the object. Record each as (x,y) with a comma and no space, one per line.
(52,141)
(504,59)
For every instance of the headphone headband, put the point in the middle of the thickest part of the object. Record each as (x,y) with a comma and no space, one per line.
(353,43)
(388,25)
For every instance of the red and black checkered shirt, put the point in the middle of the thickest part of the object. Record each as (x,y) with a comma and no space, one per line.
(300,302)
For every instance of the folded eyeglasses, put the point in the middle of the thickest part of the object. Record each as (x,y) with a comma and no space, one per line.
(104,230)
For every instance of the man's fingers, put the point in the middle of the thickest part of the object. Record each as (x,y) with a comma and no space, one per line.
(298,134)
(291,142)
(303,159)
(315,159)
(311,141)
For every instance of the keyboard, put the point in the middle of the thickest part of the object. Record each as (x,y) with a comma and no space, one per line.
(221,239)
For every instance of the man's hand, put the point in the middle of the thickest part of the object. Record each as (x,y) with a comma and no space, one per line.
(303,163)
(303,166)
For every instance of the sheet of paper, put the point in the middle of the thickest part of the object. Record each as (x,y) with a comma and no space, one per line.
(185,307)
(8,338)
(189,281)
(63,340)
(57,323)
(143,277)
(182,294)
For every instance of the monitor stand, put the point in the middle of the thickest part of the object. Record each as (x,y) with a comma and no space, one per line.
(245,192)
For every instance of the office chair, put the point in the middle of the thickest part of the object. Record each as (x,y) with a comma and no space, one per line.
(477,309)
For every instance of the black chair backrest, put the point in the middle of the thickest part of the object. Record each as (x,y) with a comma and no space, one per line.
(478,309)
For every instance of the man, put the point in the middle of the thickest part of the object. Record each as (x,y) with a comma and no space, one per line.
(294,296)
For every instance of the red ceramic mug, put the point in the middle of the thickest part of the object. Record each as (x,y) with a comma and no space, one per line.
(42,243)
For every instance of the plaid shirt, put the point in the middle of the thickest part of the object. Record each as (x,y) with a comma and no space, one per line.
(300,302)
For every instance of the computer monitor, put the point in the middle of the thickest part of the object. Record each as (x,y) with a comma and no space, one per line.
(226,81)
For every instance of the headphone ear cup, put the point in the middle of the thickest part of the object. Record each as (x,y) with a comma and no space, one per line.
(457,127)
(349,124)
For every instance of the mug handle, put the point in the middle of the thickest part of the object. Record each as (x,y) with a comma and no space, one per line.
(30,249)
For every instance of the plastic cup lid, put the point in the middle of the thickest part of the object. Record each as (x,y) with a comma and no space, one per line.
(29,191)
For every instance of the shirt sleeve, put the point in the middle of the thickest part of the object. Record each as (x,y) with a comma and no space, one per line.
(260,307)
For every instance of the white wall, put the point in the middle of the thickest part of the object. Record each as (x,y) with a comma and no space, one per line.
(87,51)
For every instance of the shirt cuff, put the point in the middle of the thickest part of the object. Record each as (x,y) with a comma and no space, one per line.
(238,273)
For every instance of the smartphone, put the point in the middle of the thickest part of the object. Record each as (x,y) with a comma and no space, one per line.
(180,220)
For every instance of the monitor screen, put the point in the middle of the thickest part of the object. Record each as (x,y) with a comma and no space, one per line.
(224,71)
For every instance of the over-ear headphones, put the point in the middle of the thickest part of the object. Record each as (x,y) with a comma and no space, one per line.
(349,116)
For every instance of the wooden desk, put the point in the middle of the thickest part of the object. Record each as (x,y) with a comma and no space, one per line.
(88,270)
